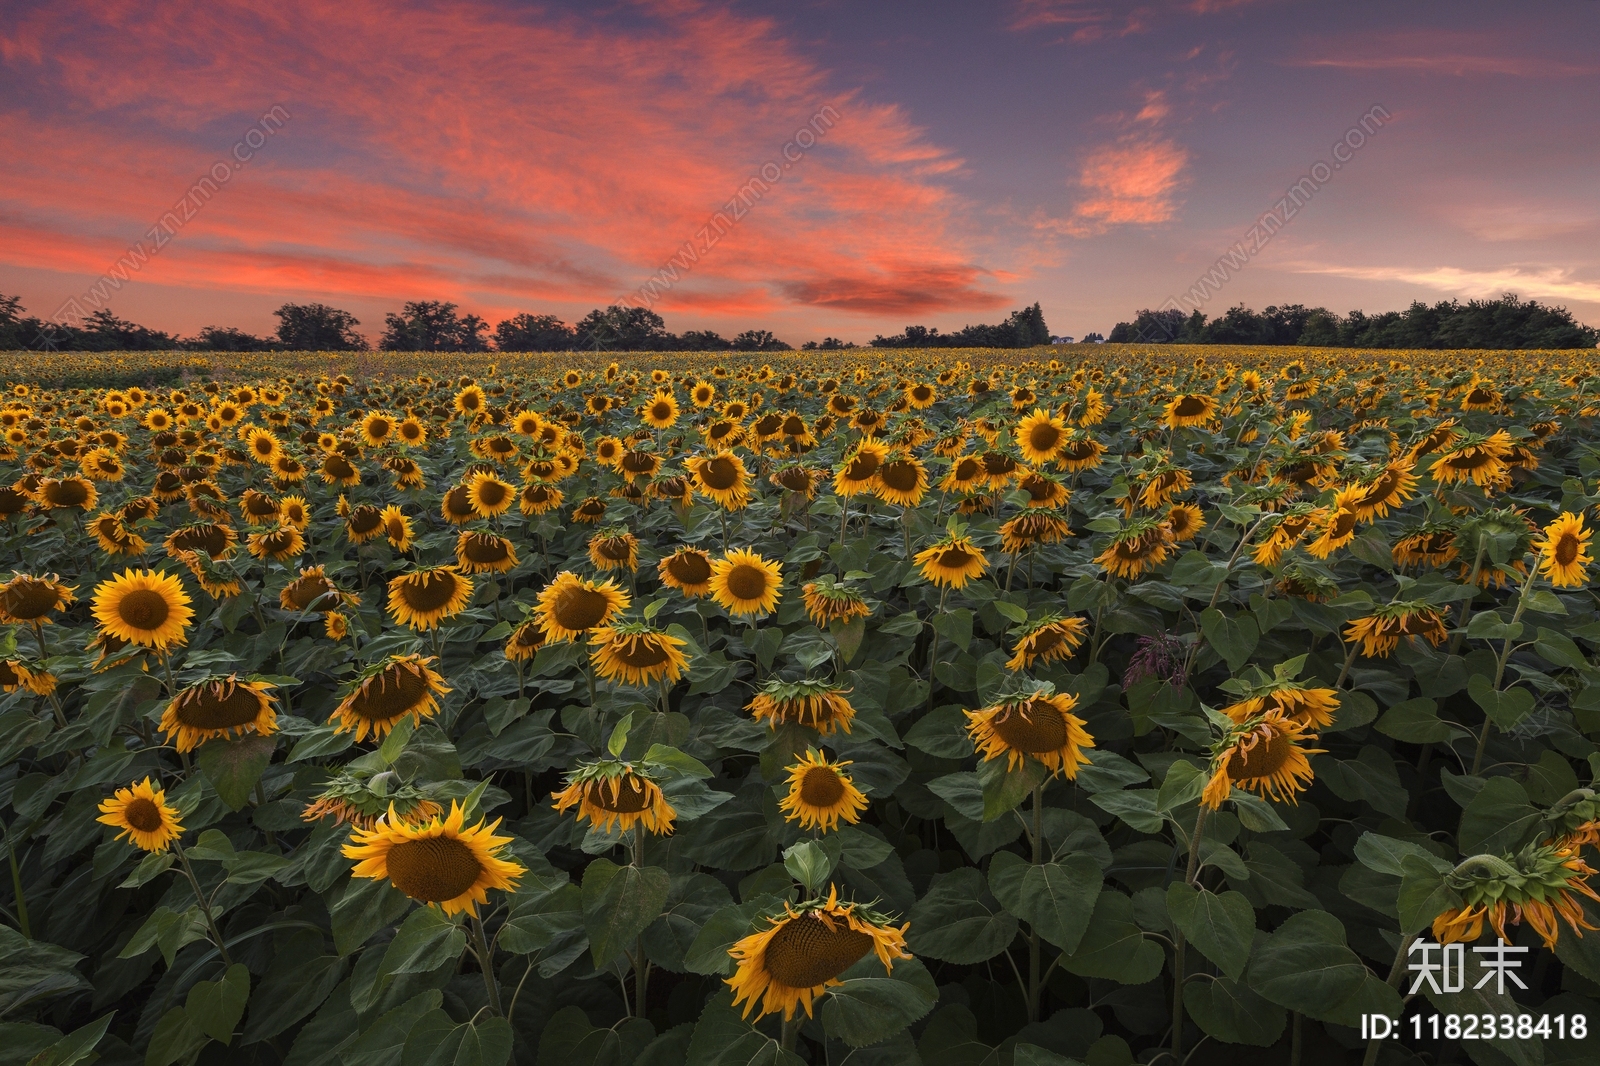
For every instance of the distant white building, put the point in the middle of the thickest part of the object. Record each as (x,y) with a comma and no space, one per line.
(1060,340)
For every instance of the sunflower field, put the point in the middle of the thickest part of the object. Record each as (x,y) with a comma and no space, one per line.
(960,708)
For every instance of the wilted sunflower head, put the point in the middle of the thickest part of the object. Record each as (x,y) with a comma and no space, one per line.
(387,691)
(1262,754)
(1035,723)
(361,796)
(688,570)
(571,606)
(815,703)
(1541,883)
(952,562)
(485,553)
(30,600)
(424,598)
(1048,639)
(634,653)
(219,707)
(828,599)
(1380,632)
(611,793)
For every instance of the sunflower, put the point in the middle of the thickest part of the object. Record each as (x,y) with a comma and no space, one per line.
(470,401)
(15,674)
(569,606)
(1030,528)
(636,654)
(438,862)
(743,583)
(1380,632)
(952,562)
(312,591)
(337,470)
(1393,486)
(396,527)
(1541,883)
(1039,725)
(1184,522)
(488,495)
(28,600)
(789,965)
(1140,545)
(1336,527)
(386,692)
(412,432)
(142,816)
(425,597)
(279,543)
(858,472)
(484,553)
(1040,436)
(1047,640)
(1312,707)
(721,478)
(591,510)
(1282,534)
(688,570)
(525,641)
(1161,483)
(1563,549)
(829,600)
(614,548)
(1189,409)
(1476,458)
(262,445)
(257,507)
(611,793)
(819,705)
(377,429)
(219,707)
(902,480)
(146,607)
(821,794)
(67,492)
(536,498)
(1263,755)
(662,410)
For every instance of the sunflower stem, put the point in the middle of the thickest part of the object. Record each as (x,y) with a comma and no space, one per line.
(1033,934)
(1466,608)
(641,967)
(205,905)
(1500,665)
(1350,657)
(791,1029)
(1178,941)
(1374,1045)
(491,985)
(16,888)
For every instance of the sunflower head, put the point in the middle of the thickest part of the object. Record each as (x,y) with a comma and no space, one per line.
(688,570)
(441,861)
(1051,638)
(1541,883)
(821,794)
(952,562)
(1263,754)
(484,553)
(635,653)
(1280,694)
(29,600)
(141,816)
(387,691)
(219,707)
(815,703)
(786,966)
(571,606)
(146,607)
(1563,549)
(1379,633)
(744,584)
(424,598)
(1037,724)
(829,600)
(613,793)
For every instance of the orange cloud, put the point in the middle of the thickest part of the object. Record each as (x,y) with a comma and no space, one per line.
(494,157)
(1132,182)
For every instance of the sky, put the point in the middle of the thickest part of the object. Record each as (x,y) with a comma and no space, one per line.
(817,167)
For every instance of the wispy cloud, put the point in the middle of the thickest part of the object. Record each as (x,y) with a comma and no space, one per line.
(1094,20)
(1552,283)
(1460,54)
(1132,182)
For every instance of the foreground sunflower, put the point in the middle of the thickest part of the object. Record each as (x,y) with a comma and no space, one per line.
(142,816)
(1038,725)
(821,794)
(1047,640)
(437,862)
(145,607)
(29,600)
(569,606)
(1541,883)
(1563,549)
(386,692)
(789,965)
(636,654)
(1263,755)
(219,707)
(743,583)
(424,598)
(611,793)
(818,704)
(952,562)
(688,570)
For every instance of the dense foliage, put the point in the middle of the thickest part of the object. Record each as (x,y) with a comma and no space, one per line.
(953,707)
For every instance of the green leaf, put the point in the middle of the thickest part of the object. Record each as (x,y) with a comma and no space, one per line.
(959,921)
(941,732)
(1415,722)
(1255,813)
(292,988)
(1004,788)
(1543,601)
(1233,1013)
(1505,708)
(955,626)
(723,1038)
(1220,926)
(76,1047)
(1386,854)
(963,791)
(175,1038)
(1114,947)
(1056,899)
(435,1040)
(1424,895)
(150,867)
(365,905)
(809,863)
(1497,818)
(215,1007)
(673,759)
(234,766)
(1559,648)
(1305,966)
(1182,785)
(1370,777)
(384,1041)
(569,1040)
(618,903)
(425,941)
(869,1005)
(1234,638)
(1137,807)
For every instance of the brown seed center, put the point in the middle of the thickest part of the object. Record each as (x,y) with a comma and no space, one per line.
(690,568)
(580,608)
(144,609)
(820,787)
(28,599)
(747,582)
(1264,759)
(1038,727)
(631,796)
(804,952)
(143,815)
(217,706)
(391,694)
(433,870)
(901,476)
(720,474)
(1566,549)
(433,591)
(1044,437)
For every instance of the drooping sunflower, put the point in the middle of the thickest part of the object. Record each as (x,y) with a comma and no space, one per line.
(859,470)
(67,492)
(146,607)
(1313,708)
(1140,545)
(424,598)
(818,704)
(1476,458)
(1262,755)
(142,816)
(1335,528)
(902,480)
(537,498)
(611,793)
(635,653)
(952,562)
(279,543)
(1038,725)
(743,583)
(1541,883)
(688,570)
(1032,527)
(525,641)
(1563,549)
(1391,487)
(484,553)
(1189,409)
(1047,640)
(1184,521)
(829,600)
(488,495)
(15,674)
(438,862)
(386,692)
(720,478)
(787,966)
(614,548)
(312,590)
(219,707)
(821,794)
(570,606)
(28,600)
(1080,452)
(456,506)
(349,796)
(1380,632)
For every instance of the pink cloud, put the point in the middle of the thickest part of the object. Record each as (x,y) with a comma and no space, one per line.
(1132,182)
(1452,53)
(1095,19)
(469,153)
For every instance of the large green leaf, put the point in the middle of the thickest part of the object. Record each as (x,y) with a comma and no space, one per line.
(870,1005)
(1304,965)
(1221,926)
(959,921)
(1114,947)
(619,902)
(1056,899)
(723,1038)
(234,766)
(425,941)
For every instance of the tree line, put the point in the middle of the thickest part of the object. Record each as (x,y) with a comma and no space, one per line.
(1507,322)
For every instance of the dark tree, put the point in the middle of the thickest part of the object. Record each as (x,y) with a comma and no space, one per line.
(318,328)
(227,339)
(105,332)
(534,333)
(433,326)
(758,340)
(1093,338)
(703,340)
(623,328)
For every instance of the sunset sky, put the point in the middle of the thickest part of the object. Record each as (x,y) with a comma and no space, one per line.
(1094,157)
